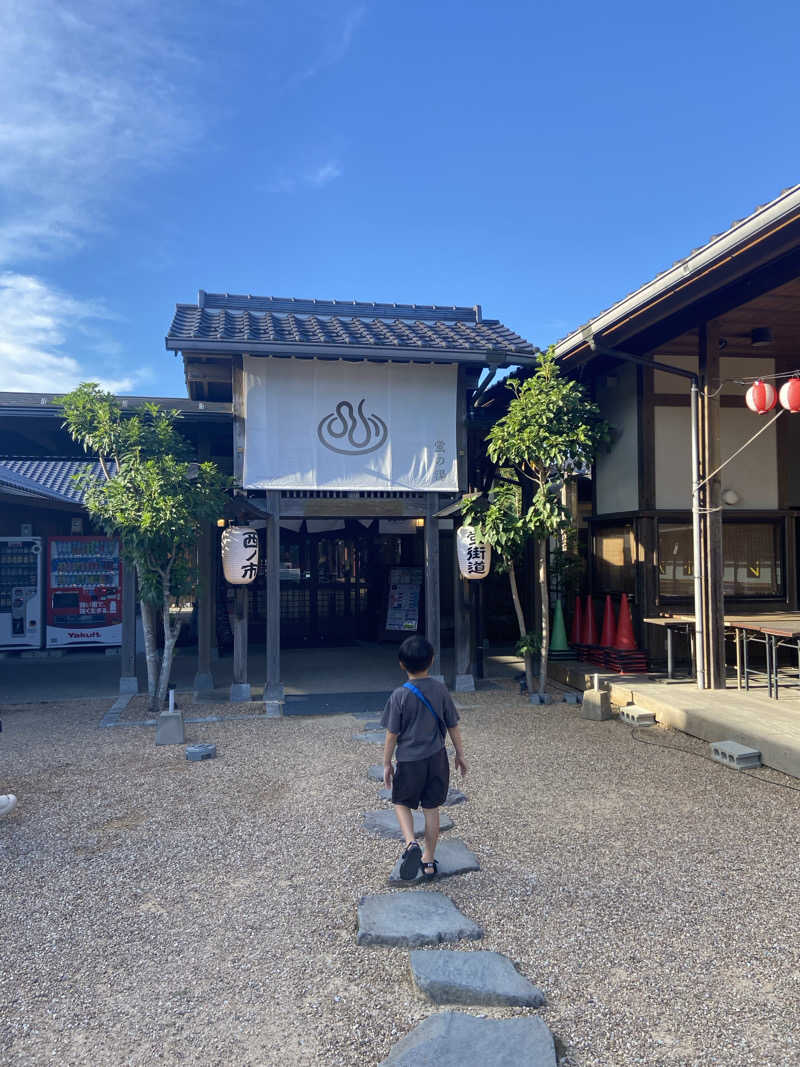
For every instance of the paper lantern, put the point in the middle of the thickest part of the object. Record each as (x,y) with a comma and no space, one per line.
(761,397)
(790,395)
(239,554)
(474,556)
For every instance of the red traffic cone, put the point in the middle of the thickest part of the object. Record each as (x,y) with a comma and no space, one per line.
(577,623)
(609,635)
(625,640)
(589,624)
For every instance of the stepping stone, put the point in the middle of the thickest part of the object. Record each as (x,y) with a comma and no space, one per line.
(452,1039)
(377,737)
(375,772)
(454,796)
(411,920)
(453,857)
(486,978)
(384,823)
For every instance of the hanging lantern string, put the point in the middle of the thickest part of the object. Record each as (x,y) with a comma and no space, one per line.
(750,381)
(758,433)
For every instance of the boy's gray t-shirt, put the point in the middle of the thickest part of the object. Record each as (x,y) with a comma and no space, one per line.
(418,734)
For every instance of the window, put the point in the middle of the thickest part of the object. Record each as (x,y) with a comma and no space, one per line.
(752,555)
(613,556)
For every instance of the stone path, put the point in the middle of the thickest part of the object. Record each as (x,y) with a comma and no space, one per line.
(376,737)
(451,1039)
(485,978)
(454,796)
(447,976)
(412,919)
(384,823)
(453,857)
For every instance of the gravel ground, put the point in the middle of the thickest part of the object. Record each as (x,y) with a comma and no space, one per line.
(156,910)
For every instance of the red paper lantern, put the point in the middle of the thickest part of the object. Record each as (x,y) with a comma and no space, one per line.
(790,395)
(761,397)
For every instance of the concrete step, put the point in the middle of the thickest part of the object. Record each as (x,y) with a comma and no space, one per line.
(489,979)
(384,823)
(412,920)
(453,1039)
(453,858)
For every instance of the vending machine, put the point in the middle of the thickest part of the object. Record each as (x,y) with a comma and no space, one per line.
(84,591)
(21,592)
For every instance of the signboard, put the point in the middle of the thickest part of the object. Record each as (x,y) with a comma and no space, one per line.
(334,424)
(402,612)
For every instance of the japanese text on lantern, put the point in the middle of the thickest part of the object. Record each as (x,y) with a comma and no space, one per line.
(249,567)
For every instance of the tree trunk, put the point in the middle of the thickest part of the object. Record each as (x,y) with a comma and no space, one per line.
(150,646)
(544,593)
(170,637)
(512,578)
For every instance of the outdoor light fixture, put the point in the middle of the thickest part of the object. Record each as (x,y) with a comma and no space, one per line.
(419,523)
(760,336)
(221,522)
(730,496)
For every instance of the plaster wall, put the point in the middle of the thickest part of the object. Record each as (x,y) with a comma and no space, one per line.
(617,471)
(753,474)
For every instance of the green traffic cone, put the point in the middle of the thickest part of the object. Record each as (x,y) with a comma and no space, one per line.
(558,635)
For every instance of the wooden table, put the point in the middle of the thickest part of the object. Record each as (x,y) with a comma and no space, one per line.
(774,630)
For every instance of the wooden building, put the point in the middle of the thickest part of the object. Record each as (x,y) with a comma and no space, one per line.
(728,313)
(350,439)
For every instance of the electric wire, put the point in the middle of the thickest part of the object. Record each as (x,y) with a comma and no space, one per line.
(700,755)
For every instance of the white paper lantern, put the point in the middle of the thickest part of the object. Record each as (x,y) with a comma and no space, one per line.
(240,554)
(474,556)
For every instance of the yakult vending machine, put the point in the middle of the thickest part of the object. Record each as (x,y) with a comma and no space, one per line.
(84,591)
(21,592)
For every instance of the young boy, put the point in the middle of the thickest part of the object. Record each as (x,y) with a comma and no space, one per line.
(417,718)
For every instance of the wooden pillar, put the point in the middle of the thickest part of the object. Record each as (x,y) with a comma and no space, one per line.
(432,598)
(646,525)
(464,680)
(204,679)
(128,682)
(240,687)
(273,690)
(709,366)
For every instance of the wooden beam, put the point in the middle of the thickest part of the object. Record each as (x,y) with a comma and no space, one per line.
(432,584)
(353,508)
(709,366)
(240,687)
(273,689)
(464,680)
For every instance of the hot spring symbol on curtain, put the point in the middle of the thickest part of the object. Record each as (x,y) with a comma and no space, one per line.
(363,435)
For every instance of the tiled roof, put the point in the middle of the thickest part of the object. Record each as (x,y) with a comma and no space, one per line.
(261,321)
(50,478)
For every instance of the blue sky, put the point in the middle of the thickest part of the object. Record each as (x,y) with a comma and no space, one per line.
(539,159)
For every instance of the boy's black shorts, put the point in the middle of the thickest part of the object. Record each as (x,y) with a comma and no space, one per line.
(422,781)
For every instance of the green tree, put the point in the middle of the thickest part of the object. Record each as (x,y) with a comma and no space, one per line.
(550,433)
(155,498)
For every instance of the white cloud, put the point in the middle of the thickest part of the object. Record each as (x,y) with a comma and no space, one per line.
(35,350)
(338,41)
(313,178)
(88,97)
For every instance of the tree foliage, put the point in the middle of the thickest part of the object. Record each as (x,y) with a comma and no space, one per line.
(154,497)
(550,433)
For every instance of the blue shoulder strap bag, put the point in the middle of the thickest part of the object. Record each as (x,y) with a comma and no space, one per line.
(428,705)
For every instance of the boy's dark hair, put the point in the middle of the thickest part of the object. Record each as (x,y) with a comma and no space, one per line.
(416,653)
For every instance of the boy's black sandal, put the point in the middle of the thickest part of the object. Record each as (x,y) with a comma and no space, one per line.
(410,861)
(429,875)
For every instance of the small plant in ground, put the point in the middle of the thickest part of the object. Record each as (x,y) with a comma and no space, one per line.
(550,434)
(155,498)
